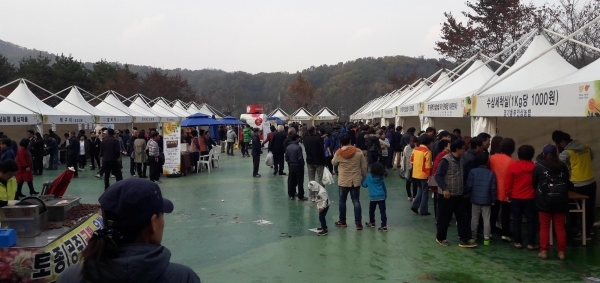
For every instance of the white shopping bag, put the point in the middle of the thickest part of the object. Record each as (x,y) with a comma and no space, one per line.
(327,177)
(269,159)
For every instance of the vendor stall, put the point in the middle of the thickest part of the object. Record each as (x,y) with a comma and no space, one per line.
(325,115)
(302,116)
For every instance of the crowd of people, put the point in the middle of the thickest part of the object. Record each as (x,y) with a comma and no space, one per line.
(475,180)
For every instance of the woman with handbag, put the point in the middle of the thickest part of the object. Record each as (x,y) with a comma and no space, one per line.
(139,155)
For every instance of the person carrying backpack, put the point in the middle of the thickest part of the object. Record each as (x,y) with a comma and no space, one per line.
(551,183)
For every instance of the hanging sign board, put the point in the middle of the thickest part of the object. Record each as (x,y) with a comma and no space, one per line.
(448,108)
(573,100)
(53,127)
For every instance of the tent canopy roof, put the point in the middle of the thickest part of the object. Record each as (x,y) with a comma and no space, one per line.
(549,67)
(25,102)
(75,103)
(301,112)
(278,113)
(112,104)
(326,112)
(471,80)
(442,81)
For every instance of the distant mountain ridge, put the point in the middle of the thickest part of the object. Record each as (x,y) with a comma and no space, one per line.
(345,86)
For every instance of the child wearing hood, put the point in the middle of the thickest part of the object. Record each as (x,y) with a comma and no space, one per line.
(377,194)
(520,192)
(322,204)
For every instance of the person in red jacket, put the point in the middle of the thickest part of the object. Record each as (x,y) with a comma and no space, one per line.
(520,192)
(25,170)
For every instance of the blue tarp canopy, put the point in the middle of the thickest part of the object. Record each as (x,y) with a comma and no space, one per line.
(277,120)
(199,119)
(228,120)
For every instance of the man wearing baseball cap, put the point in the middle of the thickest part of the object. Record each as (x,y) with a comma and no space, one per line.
(128,248)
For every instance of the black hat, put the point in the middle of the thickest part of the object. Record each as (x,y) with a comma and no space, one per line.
(132,201)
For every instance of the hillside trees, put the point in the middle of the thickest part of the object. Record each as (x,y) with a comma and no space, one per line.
(8,71)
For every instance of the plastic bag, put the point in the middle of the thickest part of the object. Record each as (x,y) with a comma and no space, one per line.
(269,159)
(327,177)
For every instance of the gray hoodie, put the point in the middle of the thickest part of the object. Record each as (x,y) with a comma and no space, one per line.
(231,136)
(136,263)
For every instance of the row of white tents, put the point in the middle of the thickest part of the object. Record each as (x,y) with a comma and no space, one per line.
(23,108)
(540,93)
(325,115)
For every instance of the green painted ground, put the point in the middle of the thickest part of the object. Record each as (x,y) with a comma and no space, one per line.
(221,242)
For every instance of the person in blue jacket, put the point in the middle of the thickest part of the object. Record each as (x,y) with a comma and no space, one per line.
(7,151)
(481,184)
(377,194)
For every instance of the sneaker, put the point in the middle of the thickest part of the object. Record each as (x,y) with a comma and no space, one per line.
(506,239)
(382,229)
(291,198)
(98,176)
(359,227)
(313,199)
(467,244)
(487,242)
(414,210)
(425,214)
(443,243)
(579,238)
(473,241)
(112,176)
(597,224)
(372,225)
(341,224)
(257,176)
(322,233)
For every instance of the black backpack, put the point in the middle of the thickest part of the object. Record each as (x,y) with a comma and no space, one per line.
(553,189)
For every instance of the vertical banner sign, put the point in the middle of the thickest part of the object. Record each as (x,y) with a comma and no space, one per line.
(53,127)
(171,139)
(79,127)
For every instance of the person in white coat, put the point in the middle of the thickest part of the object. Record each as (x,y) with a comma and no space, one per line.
(322,204)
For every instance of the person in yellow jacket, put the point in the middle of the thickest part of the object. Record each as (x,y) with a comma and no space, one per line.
(422,162)
(579,156)
(8,183)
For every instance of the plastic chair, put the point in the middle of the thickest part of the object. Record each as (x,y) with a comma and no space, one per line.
(216,154)
(205,159)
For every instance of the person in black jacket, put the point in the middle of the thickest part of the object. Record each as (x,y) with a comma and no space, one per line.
(295,160)
(256,151)
(360,139)
(52,150)
(38,146)
(552,206)
(110,151)
(406,137)
(94,151)
(277,147)
(397,146)
(314,146)
(73,153)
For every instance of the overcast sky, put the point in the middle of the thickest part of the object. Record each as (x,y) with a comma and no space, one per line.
(251,35)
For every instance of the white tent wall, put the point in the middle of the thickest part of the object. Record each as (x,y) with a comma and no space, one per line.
(407,122)
(537,132)
(451,123)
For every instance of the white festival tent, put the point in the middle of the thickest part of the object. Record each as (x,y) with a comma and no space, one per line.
(412,106)
(279,113)
(325,115)
(75,103)
(301,115)
(179,109)
(450,107)
(122,113)
(421,87)
(139,105)
(163,108)
(204,108)
(28,109)
(561,99)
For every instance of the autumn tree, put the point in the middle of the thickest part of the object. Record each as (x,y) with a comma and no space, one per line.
(490,27)
(301,93)
(8,72)
(398,81)
(569,17)
(157,83)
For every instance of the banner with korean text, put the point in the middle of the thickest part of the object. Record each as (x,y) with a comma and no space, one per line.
(573,100)
(171,139)
(412,110)
(45,264)
(448,108)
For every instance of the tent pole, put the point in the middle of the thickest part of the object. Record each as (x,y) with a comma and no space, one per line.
(573,40)
(10,83)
